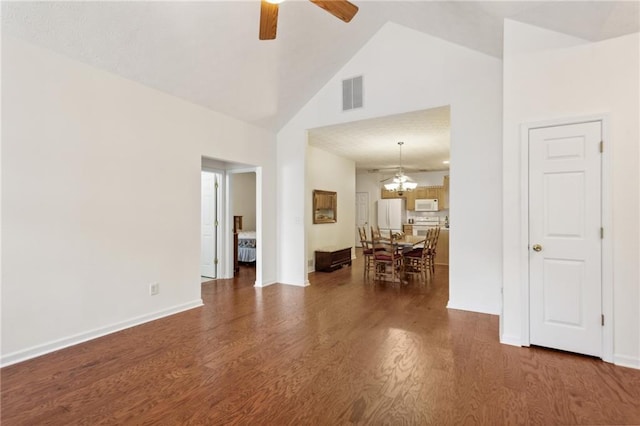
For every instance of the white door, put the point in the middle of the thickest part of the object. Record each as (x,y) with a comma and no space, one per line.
(362,214)
(565,302)
(208,190)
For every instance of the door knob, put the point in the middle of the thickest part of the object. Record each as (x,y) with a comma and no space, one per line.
(537,247)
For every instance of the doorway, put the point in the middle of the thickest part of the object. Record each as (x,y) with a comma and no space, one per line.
(243,210)
(565,237)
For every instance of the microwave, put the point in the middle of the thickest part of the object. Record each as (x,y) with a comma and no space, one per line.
(426,205)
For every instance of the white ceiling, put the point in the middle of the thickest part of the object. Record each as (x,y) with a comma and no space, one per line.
(208,52)
(373,144)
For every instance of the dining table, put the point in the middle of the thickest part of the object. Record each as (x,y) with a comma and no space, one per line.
(406,242)
(410,240)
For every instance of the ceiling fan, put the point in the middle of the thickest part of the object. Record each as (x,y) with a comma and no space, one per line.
(341,9)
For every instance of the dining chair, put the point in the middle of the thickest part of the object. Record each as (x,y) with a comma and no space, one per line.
(388,261)
(419,261)
(432,249)
(375,232)
(367,251)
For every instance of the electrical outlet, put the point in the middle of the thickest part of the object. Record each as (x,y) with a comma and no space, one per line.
(154,288)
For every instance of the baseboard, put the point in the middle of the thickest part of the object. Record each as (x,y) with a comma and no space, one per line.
(481,309)
(265,284)
(55,345)
(505,339)
(305,284)
(626,361)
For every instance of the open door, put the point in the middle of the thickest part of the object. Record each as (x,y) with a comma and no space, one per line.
(209,224)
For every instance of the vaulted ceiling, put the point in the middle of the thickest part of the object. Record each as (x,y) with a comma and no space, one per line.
(208,52)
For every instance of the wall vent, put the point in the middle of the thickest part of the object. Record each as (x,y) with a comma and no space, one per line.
(352,93)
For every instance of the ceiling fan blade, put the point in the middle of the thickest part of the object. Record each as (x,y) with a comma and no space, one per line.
(341,9)
(268,20)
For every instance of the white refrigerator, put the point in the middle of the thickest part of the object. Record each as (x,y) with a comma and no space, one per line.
(392,214)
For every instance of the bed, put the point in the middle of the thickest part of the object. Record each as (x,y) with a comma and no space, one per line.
(247,246)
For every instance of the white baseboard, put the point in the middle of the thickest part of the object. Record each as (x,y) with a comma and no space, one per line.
(265,284)
(626,361)
(55,345)
(505,339)
(305,284)
(481,309)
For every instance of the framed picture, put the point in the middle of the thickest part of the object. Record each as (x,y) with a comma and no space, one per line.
(325,206)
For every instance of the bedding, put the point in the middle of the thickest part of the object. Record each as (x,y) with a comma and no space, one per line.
(247,246)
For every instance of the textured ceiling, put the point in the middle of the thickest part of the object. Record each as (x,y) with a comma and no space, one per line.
(373,144)
(208,52)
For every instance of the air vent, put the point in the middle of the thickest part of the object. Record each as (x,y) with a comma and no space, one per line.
(352,93)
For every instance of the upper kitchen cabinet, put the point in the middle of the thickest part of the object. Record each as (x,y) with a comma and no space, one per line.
(411,200)
(391,194)
(423,192)
(429,192)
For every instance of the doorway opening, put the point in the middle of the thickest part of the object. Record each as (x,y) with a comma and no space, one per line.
(243,210)
(372,145)
(244,192)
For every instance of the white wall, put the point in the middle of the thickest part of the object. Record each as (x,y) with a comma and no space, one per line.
(243,195)
(101,196)
(369,183)
(405,70)
(328,172)
(551,76)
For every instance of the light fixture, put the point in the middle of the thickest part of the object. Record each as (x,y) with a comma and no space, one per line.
(401,182)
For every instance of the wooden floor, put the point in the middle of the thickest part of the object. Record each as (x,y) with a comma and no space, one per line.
(338,352)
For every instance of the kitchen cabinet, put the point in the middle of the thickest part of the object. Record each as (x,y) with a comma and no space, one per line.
(411,200)
(421,192)
(391,194)
(424,192)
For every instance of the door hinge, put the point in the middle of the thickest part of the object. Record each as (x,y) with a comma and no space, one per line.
(215,261)
(602,319)
(216,222)
(601,232)
(601,146)
(217,181)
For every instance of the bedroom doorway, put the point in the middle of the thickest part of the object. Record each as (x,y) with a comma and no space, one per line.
(243,206)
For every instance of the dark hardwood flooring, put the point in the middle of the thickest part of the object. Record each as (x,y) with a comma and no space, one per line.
(341,351)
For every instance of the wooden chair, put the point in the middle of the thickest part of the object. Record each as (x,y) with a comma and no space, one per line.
(432,249)
(376,234)
(388,261)
(367,251)
(419,260)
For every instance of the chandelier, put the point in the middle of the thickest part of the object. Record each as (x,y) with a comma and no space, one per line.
(401,182)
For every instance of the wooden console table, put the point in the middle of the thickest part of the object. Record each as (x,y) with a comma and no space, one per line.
(329,259)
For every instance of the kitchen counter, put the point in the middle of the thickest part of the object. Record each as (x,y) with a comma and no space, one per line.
(442,249)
